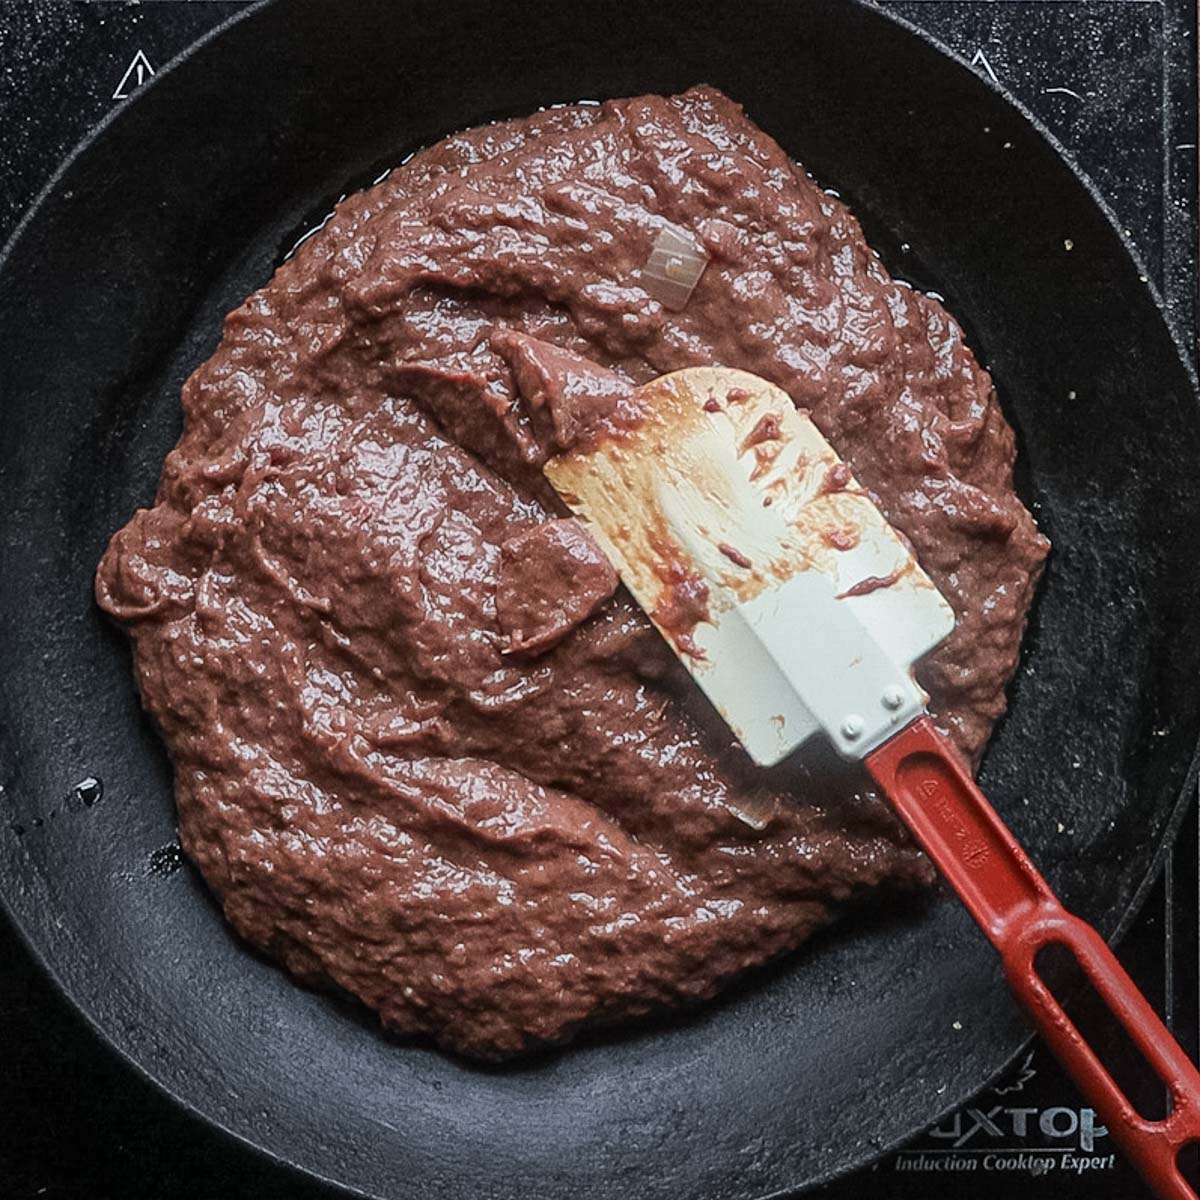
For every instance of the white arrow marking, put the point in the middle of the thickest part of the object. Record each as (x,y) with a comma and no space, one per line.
(980,60)
(138,71)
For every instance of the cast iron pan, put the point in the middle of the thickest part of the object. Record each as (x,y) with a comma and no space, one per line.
(113,290)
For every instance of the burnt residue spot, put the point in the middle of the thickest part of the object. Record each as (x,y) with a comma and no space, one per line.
(872,583)
(767,429)
(837,479)
(712,405)
(89,791)
(165,861)
(840,539)
(734,554)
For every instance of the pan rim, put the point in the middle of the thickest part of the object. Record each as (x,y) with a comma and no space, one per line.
(1171,825)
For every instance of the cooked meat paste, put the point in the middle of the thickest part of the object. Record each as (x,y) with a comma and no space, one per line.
(477,792)
(552,578)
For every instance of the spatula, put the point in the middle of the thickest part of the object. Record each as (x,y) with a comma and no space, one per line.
(800,612)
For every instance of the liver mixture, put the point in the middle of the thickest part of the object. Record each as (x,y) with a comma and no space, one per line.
(423,749)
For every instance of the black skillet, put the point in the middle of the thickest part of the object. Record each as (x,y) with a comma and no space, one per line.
(113,290)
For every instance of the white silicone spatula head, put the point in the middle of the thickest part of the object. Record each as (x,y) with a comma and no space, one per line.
(785,592)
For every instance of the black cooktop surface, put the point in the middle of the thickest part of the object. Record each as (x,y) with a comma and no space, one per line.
(1115,81)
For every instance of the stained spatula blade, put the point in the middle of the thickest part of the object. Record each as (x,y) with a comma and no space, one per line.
(785,592)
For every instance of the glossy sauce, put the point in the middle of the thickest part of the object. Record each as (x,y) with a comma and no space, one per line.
(495,848)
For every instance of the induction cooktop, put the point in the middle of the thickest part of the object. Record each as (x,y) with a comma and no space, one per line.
(1115,82)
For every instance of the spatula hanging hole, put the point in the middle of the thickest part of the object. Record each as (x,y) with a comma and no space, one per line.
(1061,972)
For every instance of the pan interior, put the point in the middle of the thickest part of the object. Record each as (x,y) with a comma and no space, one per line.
(114,291)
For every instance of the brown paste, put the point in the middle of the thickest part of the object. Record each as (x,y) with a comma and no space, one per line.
(494,848)
(551,579)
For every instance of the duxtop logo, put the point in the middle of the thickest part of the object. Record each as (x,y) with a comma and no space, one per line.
(1056,1124)
(1026,1138)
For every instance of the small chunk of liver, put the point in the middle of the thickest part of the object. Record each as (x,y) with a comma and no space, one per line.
(552,578)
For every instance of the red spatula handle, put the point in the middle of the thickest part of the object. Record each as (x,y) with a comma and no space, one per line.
(1015,907)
